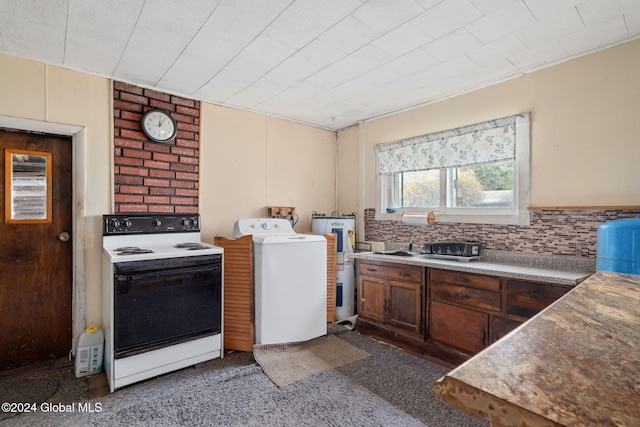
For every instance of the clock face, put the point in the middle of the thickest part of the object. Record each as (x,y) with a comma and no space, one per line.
(159,126)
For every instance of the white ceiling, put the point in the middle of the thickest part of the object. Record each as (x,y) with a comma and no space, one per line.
(327,63)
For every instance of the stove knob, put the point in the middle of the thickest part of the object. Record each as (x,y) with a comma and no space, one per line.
(185,222)
(115,223)
(126,223)
(156,223)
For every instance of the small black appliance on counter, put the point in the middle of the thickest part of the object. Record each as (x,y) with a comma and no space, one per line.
(461,249)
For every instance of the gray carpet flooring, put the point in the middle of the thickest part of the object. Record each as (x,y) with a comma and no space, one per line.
(389,388)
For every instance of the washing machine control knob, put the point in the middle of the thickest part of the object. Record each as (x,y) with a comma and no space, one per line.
(266,225)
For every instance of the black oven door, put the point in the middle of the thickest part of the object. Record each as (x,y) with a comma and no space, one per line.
(162,302)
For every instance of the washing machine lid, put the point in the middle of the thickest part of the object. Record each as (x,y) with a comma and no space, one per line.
(286,239)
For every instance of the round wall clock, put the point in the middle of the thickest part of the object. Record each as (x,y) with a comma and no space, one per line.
(159,126)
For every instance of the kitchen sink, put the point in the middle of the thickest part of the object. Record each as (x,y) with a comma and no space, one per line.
(397,253)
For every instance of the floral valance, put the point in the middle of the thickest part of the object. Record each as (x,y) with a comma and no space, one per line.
(489,141)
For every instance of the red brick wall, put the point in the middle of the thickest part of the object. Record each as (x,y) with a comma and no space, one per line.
(153,177)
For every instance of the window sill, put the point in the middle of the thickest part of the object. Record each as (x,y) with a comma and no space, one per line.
(420,218)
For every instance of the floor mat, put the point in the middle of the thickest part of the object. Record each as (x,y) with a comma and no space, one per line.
(287,363)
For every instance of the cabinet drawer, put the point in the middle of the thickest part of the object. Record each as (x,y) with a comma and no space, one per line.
(409,273)
(526,299)
(462,295)
(479,281)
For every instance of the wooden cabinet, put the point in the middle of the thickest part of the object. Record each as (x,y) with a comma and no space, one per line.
(460,308)
(468,312)
(391,295)
(445,315)
(460,327)
(526,299)
(501,326)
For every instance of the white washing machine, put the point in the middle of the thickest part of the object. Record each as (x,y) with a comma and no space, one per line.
(290,281)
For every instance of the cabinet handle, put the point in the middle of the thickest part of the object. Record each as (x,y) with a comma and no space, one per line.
(484,335)
(462,279)
(373,270)
(404,274)
(462,295)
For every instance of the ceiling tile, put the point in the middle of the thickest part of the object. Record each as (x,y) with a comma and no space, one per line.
(542,9)
(488,6)
(460,65)
(594,11)
(352,66)
(385,15)
(203,58)
(501,22)
(538,56)
(602,34)
(318,12)
(633,23)
(349,35)
(97,34)
(247,67)
(445,17)
(497,50)
(399,68)
(36,32)
(494,72)
(293,30)
(403,39)
(453,44)
(554,27)
(163,30)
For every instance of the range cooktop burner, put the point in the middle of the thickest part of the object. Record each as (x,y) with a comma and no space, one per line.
(191,246)
(132,250)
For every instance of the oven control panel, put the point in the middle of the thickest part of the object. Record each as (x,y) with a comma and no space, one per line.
(147,224)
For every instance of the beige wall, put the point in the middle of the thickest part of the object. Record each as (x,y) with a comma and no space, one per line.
(249,161)
(585,134)
(56,100)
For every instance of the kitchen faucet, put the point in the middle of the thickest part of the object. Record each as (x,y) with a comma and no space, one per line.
(410,245)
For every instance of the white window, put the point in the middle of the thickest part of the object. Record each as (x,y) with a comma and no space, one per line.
(474,174)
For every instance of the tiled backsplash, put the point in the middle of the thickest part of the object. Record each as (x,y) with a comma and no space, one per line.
(552,232)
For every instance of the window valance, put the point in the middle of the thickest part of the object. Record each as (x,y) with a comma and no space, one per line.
(489,141)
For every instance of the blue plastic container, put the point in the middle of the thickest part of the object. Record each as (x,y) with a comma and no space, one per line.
(618,247)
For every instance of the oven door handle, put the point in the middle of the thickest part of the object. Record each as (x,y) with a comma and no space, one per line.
(154,273)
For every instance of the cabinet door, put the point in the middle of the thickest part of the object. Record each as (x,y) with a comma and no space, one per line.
(404,305)
(459,327)
(501,326)
(371,297)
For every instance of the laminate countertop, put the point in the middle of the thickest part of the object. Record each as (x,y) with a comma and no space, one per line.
(555,270)
(576,363)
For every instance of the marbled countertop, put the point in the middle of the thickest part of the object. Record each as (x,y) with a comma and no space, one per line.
(577,363)
(547,269)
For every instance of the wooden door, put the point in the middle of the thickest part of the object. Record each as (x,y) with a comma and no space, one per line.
(460,327)
(35,257)
(371,293)
(404,305)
